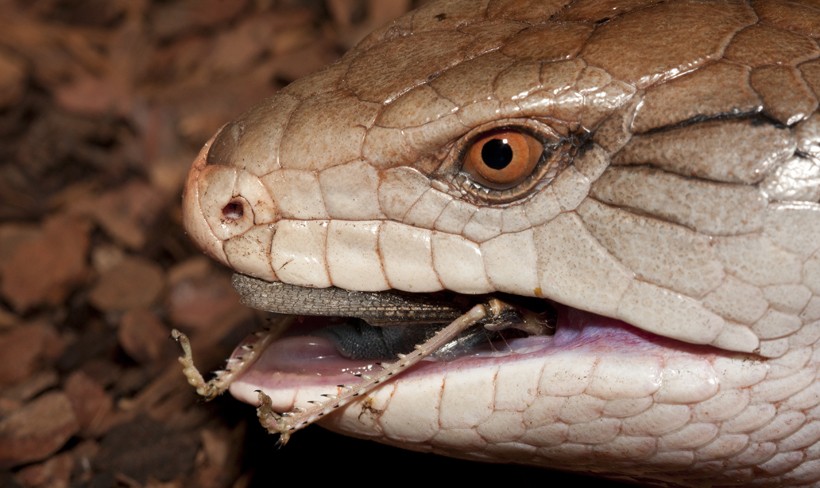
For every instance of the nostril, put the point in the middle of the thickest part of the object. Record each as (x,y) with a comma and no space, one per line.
(234,210)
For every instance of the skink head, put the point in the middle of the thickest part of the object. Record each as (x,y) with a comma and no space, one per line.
(668,184)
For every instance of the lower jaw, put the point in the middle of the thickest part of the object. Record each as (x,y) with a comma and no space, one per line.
(599,395)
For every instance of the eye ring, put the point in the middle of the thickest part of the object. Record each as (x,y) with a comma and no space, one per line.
(502,158)
(546,148)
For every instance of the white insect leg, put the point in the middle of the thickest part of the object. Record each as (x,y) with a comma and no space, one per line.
(222,379)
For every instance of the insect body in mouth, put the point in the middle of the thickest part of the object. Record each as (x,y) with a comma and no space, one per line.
(494,315)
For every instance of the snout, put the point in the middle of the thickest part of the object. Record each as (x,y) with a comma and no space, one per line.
(229,213)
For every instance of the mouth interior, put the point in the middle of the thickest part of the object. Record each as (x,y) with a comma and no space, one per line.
(327,347)
(356,339)
(384,325)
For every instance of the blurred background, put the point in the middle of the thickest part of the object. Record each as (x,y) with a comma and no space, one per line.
(103,105)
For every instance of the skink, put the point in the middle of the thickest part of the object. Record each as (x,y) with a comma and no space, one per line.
(649,170)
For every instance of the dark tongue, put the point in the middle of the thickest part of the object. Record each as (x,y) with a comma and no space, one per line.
(358,340)
(361,341)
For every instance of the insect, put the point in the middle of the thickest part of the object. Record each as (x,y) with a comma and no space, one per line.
(495,315)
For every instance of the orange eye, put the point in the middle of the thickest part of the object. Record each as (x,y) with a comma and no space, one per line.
(503,158)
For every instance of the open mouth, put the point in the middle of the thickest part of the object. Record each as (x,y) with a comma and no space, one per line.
(325,350)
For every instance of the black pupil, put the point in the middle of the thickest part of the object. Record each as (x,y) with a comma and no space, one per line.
(497,154)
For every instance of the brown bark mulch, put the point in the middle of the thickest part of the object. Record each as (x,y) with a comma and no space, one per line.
(103,104)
